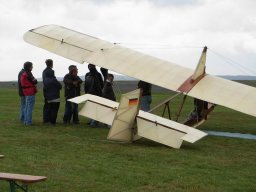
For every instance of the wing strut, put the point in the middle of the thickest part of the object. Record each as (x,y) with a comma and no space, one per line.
(164,102)
(181,107)
(166,105)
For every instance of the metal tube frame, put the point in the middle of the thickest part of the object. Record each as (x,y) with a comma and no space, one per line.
(14,186)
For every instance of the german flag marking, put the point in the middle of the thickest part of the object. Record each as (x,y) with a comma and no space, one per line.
(133,101)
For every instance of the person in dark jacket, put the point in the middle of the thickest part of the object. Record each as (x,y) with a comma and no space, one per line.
(22,97)
(93,84)
(49,66)
(104,72)
(146,98)
(28,83)
(93,81)
(107,91)
(72,89)
(52,89)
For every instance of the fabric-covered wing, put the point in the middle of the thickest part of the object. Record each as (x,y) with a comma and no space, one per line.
(97,108)
(227,93)
(84,48)
(166,131)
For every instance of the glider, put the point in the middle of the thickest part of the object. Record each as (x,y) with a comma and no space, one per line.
(122,118)
(205,88)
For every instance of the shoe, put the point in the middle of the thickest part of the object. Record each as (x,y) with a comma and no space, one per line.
(94,125)
(66,122)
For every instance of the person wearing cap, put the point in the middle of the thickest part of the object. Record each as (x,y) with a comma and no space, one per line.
(22,97)
(72,89)
(93,84)
(52,89)
(93,81)
(48,69)
(28,84)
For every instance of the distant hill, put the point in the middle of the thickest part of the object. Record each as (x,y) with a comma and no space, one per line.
(238,77)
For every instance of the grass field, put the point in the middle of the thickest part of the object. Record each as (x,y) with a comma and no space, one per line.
(79,158)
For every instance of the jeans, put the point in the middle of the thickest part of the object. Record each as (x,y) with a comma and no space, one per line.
(22,108)
(71,109)
(145,102)
(30,101)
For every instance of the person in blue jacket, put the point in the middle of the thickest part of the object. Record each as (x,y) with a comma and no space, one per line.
(49,66)
(52,89)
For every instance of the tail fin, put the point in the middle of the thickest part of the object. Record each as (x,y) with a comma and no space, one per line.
(200,69)
(198,74)
(122,127)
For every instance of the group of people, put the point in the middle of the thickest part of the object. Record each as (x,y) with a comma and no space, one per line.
(94,84)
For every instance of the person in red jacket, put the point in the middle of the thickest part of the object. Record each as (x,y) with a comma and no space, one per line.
(28,84)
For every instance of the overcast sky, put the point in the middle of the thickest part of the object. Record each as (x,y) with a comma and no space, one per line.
(174,30)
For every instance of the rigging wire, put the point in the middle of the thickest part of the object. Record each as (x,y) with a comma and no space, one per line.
(232,62)
(152,46)
(156,46)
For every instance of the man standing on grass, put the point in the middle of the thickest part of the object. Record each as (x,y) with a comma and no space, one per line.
(48,69)
(146,98)
(22,97)
(93,84)
(72,89)
(52,89)
(107,91)
(28,84)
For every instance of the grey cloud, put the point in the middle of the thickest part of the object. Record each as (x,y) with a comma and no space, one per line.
(227,26)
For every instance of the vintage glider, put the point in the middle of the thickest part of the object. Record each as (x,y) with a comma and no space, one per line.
(196,83)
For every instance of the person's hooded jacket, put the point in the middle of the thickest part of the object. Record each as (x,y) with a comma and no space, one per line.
(93,82)
(27,80)
(52,86)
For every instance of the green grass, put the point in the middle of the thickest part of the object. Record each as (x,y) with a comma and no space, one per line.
(80,158)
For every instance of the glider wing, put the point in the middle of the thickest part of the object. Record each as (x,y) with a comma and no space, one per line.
(84,48)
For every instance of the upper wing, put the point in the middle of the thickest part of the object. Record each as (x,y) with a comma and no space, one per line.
(84,48)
